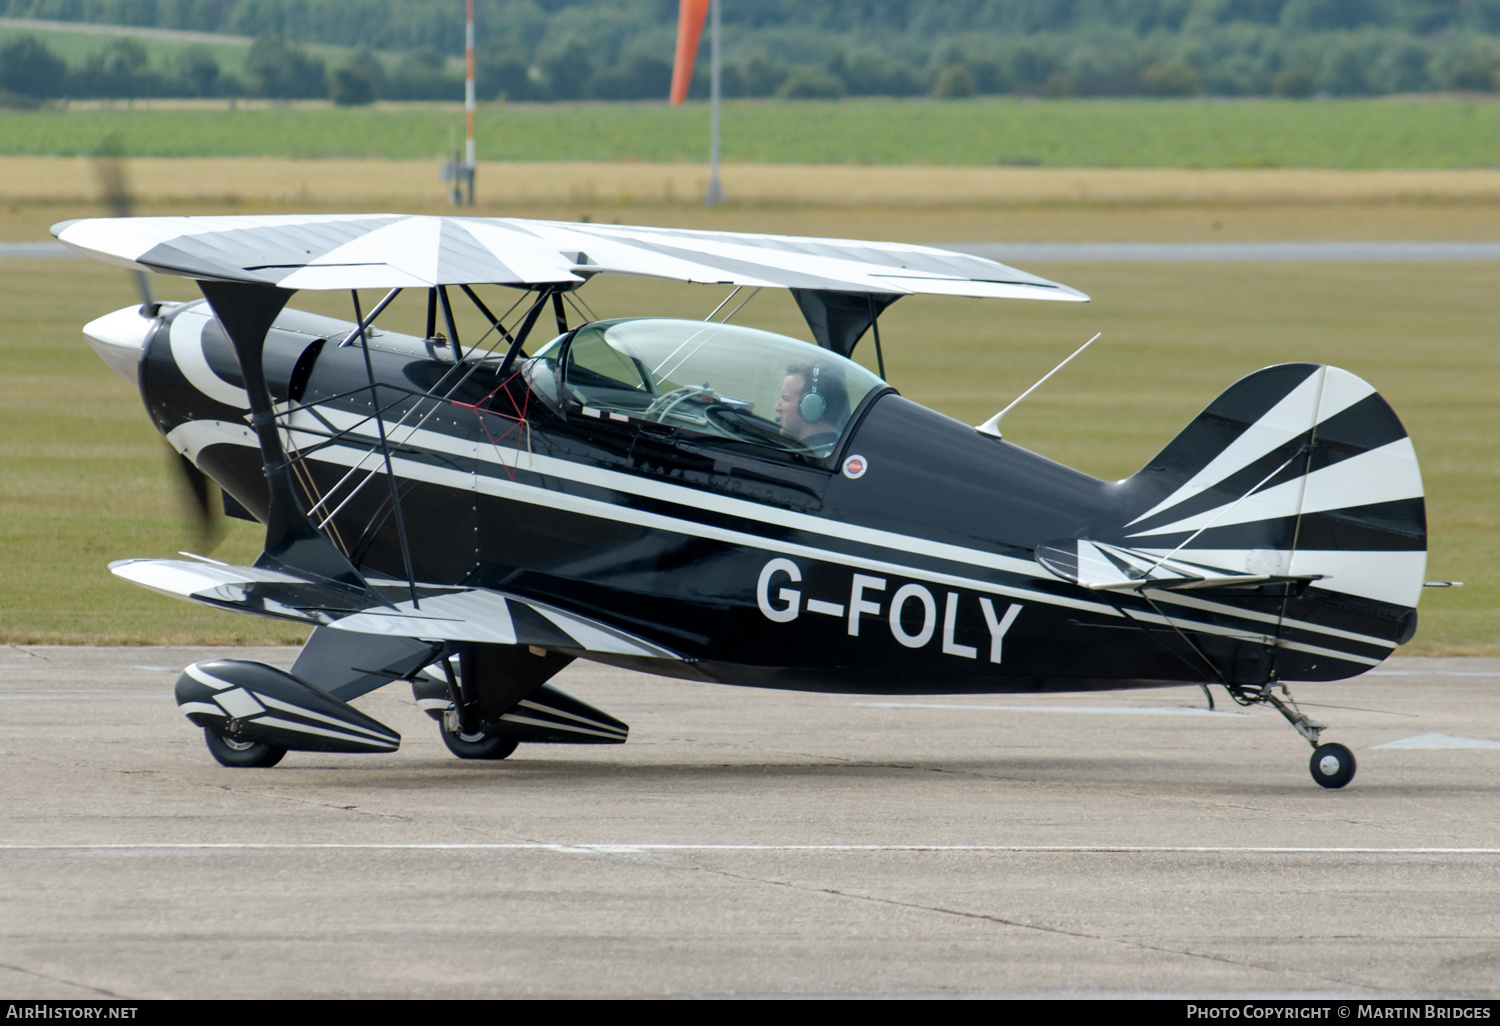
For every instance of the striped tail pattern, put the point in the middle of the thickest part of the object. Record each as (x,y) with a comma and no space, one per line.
(1294,505)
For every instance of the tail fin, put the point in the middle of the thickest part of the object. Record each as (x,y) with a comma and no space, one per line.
(1294,501)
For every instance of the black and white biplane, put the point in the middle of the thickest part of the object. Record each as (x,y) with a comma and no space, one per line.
(709,501)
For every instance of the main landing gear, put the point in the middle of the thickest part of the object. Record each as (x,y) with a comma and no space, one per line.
(477,744)
(1332,765)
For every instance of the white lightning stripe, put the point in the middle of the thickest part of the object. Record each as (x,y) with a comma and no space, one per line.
(307,728)
(187,351)
(530,495)
(1193,627)
(1295,413)
(622,514)
(297,710)
(1385,474)
(512,717)
(1193,602)
(201,707)
(630,484)
(1297,646)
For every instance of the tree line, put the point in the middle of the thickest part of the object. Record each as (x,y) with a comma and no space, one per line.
(544,50)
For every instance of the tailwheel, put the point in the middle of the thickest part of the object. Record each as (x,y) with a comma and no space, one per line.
(242,754)
(1332,765)
(473,744)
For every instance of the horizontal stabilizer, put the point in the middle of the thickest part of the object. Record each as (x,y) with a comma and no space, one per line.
(1100,566)
(436,614)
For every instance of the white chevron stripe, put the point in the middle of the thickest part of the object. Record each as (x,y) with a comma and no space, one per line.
(552,725)
(550,711)
(1380,475)
(297,710)
(307,728)
(1310,402)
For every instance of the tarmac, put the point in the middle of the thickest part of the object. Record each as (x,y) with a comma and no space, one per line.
(749,843)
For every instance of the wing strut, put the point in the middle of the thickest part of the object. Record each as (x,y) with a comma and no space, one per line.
(385,449)
(524,330)
(838,320)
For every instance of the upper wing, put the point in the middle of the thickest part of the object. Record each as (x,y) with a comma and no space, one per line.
(333,251)
(437,614)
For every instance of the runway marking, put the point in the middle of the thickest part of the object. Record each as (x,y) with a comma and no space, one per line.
(77,696)
(1431,673)
(1124,710)
(1438,742)
(597,848)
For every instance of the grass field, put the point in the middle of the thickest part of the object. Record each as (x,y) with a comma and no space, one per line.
(1346,134)
(84,479)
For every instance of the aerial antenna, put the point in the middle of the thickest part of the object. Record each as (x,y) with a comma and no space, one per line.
(992,426)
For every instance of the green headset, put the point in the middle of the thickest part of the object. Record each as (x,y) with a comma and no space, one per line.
(813,405)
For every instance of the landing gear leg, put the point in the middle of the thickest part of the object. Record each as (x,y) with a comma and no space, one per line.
(1332,765)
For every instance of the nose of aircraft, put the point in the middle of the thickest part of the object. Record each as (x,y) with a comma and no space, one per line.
(118,339)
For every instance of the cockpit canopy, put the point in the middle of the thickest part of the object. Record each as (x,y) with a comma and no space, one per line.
(705,377)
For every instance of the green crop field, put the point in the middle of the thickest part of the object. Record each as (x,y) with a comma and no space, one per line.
(1349,134)
(84,479)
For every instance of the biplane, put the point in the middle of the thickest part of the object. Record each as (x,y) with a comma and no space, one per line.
(709,501)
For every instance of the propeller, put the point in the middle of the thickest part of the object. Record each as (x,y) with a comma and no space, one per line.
(114,187)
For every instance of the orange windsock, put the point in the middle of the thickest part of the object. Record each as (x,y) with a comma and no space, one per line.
(690,17)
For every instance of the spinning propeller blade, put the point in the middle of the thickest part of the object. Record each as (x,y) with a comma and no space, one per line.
(114,188)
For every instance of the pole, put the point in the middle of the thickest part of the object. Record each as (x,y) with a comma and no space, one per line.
(715,194)
(469,100)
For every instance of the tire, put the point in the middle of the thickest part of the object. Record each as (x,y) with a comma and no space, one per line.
(1332,765)
(242,754)
(478,746)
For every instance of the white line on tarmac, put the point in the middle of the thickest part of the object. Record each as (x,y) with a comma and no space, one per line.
(1431,673)
(1022,849)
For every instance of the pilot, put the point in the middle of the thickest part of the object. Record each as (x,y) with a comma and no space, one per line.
(813,405)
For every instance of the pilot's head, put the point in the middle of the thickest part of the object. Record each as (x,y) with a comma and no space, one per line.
(813,403)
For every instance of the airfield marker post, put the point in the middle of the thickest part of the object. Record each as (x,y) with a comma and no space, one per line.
(715,194)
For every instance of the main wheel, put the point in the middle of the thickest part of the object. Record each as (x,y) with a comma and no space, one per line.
(1332,765)
(478,745)
(240,754)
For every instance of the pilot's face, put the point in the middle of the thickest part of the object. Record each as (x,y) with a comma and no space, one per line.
(787,414)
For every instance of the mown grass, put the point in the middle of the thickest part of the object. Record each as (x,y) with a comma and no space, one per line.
(84,479)
(1349,134)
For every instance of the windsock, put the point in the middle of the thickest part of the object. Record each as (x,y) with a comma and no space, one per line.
(690,17)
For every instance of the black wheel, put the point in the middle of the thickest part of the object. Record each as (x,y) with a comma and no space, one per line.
(1332,765)
(242,753)
(479,745)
